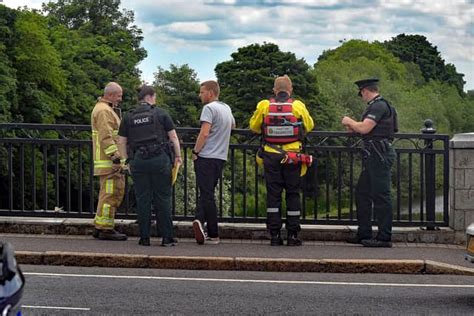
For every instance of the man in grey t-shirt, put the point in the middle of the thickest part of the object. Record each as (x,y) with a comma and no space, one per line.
(209,155)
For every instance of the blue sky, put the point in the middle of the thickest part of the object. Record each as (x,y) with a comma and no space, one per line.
(202,33)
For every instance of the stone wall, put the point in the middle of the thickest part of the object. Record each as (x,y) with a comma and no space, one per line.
(461,184)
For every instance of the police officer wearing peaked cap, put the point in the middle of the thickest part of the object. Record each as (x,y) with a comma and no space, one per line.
(148,131)
(377,126)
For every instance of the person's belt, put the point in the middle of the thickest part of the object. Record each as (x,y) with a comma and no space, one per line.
(292,157)
(148,151)
(376,146)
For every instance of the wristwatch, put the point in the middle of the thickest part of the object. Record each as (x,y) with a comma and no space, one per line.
(116,161)
(195,152)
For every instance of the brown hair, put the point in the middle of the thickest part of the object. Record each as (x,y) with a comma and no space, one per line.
(144,91)
(211,85)
(372,88)
(282,83)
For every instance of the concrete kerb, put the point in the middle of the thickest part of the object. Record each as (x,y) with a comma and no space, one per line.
(240,263)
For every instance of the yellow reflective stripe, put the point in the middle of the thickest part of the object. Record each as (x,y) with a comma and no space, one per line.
(95,136)
(111,149)
(104,219)
(109,186)
(102,164)
(106,210)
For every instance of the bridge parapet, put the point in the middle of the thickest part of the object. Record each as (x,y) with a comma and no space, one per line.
(461,188)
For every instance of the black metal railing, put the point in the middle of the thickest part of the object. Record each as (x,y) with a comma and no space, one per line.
(46,170)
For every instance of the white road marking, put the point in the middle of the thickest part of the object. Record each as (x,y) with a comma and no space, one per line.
(56,307)
(138,277)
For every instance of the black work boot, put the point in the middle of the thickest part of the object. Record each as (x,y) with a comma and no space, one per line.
(144,241)
(95,233)
(375,243)
(110,234)
(169,242)
(293,240)
(275,238)
(355,239)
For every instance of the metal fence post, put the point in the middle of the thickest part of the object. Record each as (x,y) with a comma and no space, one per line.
(430,177)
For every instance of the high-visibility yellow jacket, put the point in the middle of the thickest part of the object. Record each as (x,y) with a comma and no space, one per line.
(298,109)
(105,124)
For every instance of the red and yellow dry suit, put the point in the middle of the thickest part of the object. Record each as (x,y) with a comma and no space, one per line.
(281,176)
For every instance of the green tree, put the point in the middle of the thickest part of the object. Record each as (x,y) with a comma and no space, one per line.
(38,66)
(82,73)
(417,49)
(8,82)
(249,76)
(7,86)
(353,60)
(107,47)
(402,83)
(178,89)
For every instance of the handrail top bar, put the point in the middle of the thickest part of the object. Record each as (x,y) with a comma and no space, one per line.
(37,126)
(236,131)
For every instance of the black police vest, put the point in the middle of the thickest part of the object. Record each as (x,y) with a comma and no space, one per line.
(145,127)
(387,126)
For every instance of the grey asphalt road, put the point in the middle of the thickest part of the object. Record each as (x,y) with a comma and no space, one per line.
(52,290)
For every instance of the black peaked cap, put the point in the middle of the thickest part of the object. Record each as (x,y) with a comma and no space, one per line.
(366,83)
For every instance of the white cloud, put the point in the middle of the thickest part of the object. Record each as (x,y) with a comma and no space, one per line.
(33,4)
(305,27)
(249,16)
(188,27)
(220,1)
(457,13)
(318,3)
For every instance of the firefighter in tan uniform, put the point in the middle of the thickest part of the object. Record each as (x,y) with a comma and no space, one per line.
(108,162)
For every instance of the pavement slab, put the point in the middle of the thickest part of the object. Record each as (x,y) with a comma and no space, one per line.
(258,255)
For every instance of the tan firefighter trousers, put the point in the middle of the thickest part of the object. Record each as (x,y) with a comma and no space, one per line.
(112,189)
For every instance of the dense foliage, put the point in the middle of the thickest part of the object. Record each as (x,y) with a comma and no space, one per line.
(55,62)
(402,83)
(177,91)
(249,76)
(416,49)
(54,65)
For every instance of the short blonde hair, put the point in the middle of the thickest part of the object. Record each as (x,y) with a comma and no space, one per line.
(211,85)
(282,83)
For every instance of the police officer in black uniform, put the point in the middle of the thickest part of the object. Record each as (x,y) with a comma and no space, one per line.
(377,126)
(153,144)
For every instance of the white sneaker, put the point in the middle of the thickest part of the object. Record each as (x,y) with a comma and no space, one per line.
(212,241)
(199,232)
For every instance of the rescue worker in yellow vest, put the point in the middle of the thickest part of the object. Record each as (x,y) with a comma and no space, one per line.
(108,162)
(283,122)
